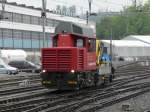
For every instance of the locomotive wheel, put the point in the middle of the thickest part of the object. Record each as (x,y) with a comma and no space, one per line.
(95,79)
(113,76)
(104,82)
(81,84)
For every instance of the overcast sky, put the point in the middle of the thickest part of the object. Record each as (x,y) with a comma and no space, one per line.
(82,5)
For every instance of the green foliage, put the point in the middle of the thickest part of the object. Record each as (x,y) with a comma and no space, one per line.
(132,21)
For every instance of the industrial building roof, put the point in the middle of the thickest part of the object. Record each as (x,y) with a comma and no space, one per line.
(142,38)
(127,43)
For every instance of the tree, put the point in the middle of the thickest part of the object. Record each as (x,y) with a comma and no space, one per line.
(72,10)
(64,10)
(58,9)
(132,20)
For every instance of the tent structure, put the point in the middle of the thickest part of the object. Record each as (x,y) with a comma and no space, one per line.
(128,48)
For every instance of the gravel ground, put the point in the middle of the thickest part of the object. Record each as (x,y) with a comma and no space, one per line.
(141,81)
(137,104)
(20,74)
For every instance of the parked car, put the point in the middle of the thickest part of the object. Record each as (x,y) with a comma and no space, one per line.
(25,66)
(6,69)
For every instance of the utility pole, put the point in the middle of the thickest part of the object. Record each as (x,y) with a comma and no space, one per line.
(43,15)
(134,3)
(3,9)
(88,13)
(1,18)
(87,17)
(111,48)
(90,3)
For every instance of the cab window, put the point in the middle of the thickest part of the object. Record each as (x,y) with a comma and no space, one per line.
(91,45)
(79,43)
(55,39)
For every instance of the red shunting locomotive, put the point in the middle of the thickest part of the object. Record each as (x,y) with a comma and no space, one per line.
(71,62)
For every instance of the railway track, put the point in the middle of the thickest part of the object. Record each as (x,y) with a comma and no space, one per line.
(116,99)
(30,102)
(15,90)
(10,99)
(36,99)
(132,70)
(41,103)
(16,81)
(99,95)
(74,103)
(71,106)
(132,64)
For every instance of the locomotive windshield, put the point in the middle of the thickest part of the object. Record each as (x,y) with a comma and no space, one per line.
(79,43)
(92,45)
(55,39)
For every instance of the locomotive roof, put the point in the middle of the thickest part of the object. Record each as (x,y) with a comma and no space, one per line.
(74,28)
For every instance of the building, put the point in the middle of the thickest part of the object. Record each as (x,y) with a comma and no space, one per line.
(22,28)
(128,49)
(142,38)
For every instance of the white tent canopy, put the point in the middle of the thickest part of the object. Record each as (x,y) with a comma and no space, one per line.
(128,48)
(142,38)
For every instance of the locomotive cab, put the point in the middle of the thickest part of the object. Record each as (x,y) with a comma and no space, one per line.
(69,40)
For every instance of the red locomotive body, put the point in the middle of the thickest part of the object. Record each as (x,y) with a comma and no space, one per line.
(71,62)
(67,56)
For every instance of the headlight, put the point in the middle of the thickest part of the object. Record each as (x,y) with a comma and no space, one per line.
(72,71)
(43,71)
